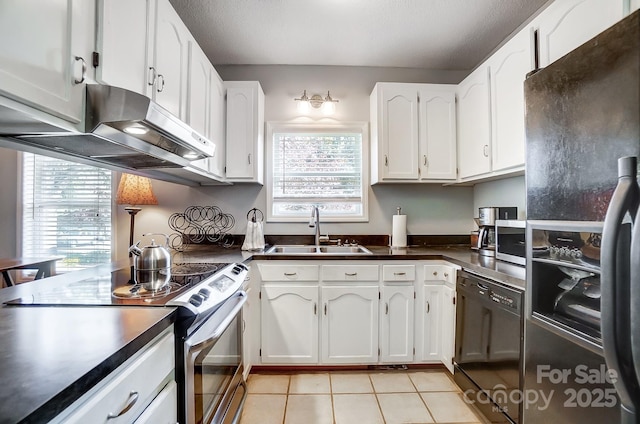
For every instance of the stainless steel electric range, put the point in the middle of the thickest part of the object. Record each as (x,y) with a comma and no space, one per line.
(209,298)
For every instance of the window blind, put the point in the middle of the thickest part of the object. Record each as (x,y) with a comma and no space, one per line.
(66,212)
(317,168)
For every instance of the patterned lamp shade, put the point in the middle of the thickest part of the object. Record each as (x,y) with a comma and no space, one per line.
(135,190)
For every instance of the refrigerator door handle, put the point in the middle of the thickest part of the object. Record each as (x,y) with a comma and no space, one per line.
(615,264)
(634,298)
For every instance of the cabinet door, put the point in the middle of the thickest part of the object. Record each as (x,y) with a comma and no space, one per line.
(429,311)
(634,5)
(437,133)
(289,324)
(217,124)
(124,31)
(245,132)
(170,58)
(198,89)
(163,409)
(448,326)
(474,124)
(396,324)
(42,53)
(398,131)
(509,66)
(565,25)
(350,325)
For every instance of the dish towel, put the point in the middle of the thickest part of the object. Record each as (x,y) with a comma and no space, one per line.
(254,238)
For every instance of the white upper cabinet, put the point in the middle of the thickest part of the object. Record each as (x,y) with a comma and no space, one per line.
(413,132)
(217,107)
(245,132)
(198,113)
(124,31)
(437,132)
(45,54)
(394,115)
(168,73)
(509,67)
(474,124)
(144,47)
(566,24)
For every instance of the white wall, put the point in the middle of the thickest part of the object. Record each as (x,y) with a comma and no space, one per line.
(507,192)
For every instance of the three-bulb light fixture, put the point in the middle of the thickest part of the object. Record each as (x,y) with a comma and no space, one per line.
(305,103)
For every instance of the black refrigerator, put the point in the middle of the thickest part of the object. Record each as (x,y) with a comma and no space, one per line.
(582,314)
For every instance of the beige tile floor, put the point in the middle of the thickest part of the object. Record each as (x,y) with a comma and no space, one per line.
(356,397)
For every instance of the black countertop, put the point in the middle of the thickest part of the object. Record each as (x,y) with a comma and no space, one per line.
(51,356)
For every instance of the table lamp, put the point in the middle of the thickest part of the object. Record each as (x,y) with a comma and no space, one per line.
(134,190)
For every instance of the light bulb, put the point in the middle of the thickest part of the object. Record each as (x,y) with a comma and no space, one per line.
(304,106)
(328,108)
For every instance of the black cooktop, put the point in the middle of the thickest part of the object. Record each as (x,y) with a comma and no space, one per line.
(117,288)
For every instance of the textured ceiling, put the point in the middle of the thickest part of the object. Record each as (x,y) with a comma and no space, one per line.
(431,34)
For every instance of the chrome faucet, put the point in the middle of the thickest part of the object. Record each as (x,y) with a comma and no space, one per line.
(315,222)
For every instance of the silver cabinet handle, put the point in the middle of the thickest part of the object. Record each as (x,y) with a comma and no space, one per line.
(152,75)
(350,274)
(428,307)
(386,309)
(485,150)
(446,275)
(249,158)
(315,308)
(133,398)
(435,273)
(325,309)
(290,274)
(399,273)
(84,71)
(386,160)
(425,160)
(160,86)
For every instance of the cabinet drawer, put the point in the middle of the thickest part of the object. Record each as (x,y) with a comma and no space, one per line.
(136,383)
(350,273)
(163,409)
(281,272)
(398,272)
(439,273)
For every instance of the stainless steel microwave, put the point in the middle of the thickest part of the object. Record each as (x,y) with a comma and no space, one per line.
(510,241)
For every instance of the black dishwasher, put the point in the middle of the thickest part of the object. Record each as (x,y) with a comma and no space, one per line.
(489,340)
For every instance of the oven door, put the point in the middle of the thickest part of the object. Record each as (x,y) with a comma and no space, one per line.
(214,387)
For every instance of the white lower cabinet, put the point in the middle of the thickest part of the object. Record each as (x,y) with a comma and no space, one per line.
(141,390)
(163,409)
(429,316)
(350,324)
(396,323)
(448,327)
(289,324)
(358,312)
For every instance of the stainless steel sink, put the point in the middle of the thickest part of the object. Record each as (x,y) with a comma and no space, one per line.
(317,250)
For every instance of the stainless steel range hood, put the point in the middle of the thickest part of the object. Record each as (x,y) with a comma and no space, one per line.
(124,131)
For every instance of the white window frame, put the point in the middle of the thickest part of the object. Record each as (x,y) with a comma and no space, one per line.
(293,127)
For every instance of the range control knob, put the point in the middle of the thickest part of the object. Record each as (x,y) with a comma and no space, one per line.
(196,299)
(204,293)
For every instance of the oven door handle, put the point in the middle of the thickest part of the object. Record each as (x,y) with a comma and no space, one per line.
(212,329)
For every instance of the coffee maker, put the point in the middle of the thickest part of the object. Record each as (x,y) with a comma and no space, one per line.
(487,227)
(487,231)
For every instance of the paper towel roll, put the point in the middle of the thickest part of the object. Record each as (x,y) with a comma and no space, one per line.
(399,231)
